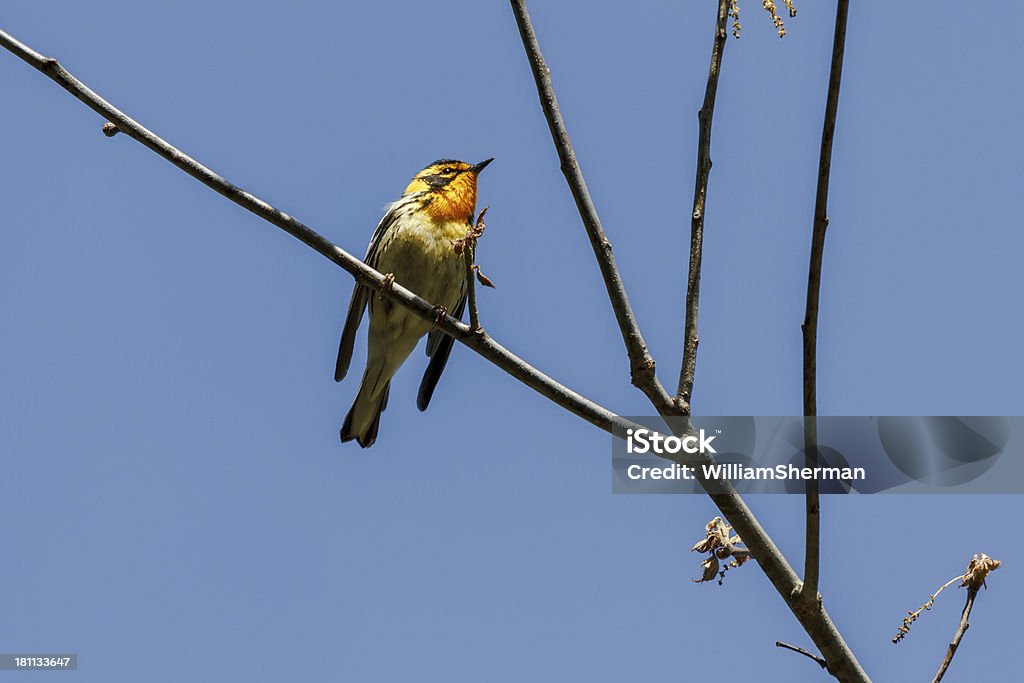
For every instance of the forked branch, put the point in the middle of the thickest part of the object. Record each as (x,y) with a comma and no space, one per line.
(842,663)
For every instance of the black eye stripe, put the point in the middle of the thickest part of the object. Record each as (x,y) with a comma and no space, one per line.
(436,180)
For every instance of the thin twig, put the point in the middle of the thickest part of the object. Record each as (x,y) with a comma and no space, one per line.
(972,592)
(810,326)
(817,623)
(978,569)
(700,192)
(467,247)
(911,617)
(641,363)
(474,314)
(821,662)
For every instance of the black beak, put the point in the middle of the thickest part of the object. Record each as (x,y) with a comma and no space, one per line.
(481,166)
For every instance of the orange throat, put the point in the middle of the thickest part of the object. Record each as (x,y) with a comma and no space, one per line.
(455,203)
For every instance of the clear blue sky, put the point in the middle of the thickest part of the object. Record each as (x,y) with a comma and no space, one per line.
(175,503)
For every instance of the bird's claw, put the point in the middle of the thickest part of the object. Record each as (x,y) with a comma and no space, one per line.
(439,312)
(387,284)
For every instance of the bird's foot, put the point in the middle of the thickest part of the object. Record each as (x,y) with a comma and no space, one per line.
(439,312)
(388,284)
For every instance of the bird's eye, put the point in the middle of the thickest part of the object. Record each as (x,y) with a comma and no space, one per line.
(446,170)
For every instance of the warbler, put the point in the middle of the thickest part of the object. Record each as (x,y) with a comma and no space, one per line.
(412,245)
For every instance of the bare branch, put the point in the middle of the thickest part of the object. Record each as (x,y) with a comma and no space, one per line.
(474,314)
(810,326)
(911,617)
(815,621)
(466,246)
(641,364)
(974,578)
(812,509)
(704,116)
(813,617)
(821,662)
(972,593)
(481,343)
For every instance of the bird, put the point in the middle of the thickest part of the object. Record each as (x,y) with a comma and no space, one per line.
(412,245)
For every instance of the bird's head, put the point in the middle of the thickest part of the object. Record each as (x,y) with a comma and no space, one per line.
(448,188)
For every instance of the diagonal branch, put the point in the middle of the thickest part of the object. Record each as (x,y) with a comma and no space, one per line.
(810,327)
(641,363)
(479,342)
(704,116)
(816,622)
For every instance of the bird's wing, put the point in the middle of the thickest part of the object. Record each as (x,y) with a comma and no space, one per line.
(439,347)
(360,295)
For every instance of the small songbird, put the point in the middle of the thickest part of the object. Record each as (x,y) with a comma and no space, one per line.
(412,244)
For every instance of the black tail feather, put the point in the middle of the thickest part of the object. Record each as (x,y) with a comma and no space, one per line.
(369,437)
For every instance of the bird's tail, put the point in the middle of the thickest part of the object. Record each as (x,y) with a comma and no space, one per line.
(363,418)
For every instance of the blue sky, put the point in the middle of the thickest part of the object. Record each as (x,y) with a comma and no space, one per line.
(176,504)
